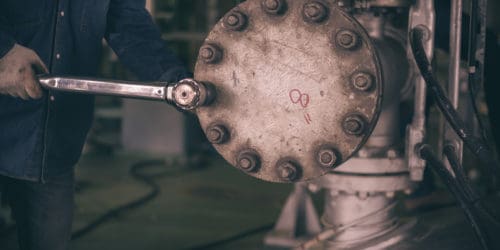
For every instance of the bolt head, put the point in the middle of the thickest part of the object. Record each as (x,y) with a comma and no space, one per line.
(206,53)
(362,195)
(210,53)
(214,135)
(186,94)
(347,39)
(334,192)
(245,163)
(217,134)
(315,11)
(391,153)
(288,171)
(248,161)
(313,188)
(362,81)
(327,158)
(274,7)
(235,21)
(232,20)
(354,125)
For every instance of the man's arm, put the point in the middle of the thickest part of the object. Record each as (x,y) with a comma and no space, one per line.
(137,41)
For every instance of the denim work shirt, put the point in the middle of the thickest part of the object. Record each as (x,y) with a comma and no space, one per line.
(44,138)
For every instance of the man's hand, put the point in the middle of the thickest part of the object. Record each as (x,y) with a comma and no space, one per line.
(18,69)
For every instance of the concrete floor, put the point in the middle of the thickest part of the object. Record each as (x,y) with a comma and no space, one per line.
(195,206)
(214,201)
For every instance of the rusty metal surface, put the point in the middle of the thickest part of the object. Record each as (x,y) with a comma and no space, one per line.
(293,85)
(386,3)
(367,4)
(370,184)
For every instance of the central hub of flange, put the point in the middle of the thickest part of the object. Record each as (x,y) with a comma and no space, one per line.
(298,88)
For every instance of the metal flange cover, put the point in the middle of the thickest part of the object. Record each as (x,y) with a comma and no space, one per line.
(298,87)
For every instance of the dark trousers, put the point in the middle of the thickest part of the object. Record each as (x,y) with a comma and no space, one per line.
(43,211)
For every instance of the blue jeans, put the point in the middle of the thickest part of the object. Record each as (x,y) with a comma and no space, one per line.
(43,211)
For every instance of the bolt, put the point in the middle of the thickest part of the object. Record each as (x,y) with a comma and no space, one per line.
(390,194)
(186,94)
(235,21)
(335,192)
(288,171)
(354,125)
(362,81)
(347,39)
(210,53)
(363,195)
(391,153)
(315,11)
(313,188)
(217,134)
(363,153)
(232,20)
(274,7)
(245,163)
(207,53)
(248,161)
(327,158)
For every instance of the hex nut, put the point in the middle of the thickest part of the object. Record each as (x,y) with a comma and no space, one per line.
(211,53)
(274,7)
(186,94)
(235,21)
(354,125)
(347,39)
(362,81)
(288,171)
(315,12)
(327,157)
(248,161)
(217,134)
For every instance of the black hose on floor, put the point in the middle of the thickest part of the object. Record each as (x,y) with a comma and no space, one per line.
(463,184)
(135,171)
(471,213)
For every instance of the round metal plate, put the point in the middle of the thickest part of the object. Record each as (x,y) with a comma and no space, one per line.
(288,88)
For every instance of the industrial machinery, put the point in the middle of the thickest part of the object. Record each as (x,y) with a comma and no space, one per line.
(309,92)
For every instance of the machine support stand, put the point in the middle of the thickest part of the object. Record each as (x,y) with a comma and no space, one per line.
(298,220)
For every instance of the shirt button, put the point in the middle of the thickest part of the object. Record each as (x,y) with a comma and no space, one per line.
(58,56)
(62,13)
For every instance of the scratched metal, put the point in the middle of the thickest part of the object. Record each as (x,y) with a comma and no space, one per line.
(283,89)
(381,3)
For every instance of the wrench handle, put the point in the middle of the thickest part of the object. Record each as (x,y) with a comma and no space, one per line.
(149,91)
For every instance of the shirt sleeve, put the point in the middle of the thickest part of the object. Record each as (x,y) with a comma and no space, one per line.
(6,43)
(137,41)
